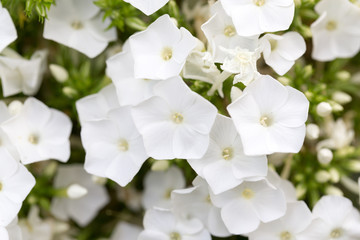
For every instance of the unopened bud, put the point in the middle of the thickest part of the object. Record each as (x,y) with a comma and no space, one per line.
(334,175)
(76,191)
(69,92)
(353,165)
(322,176)
(59,73)
(343,75)
(135,23)
(341,97)
(323,109)
(15,107)
(235,93)
(312,131)
(336,107)
(324,156)
(284,80)
(331,190)
(300,191)
(160,165)
(98,180)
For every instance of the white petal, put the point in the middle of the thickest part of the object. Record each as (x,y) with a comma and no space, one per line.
(285,139)
(147,7)
(7,29)
(269,204)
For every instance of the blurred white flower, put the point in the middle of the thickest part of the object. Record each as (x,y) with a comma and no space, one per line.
(226,160)
(79,24)
(15,184)
(280,52)
(339,135)
(221,33)
(195,202)
(81,210)
(147,6)
(160,224)
(96,106)
(22,75)
(159,185)
(34,228)
(131,90)
(270,117)
(334,218)
(7,28)
(114,148)
(297,218)
(336,33)
(161,50)
(253,17)
(126,231)
(241,62)
(39,133)
(243,208)
(176,122)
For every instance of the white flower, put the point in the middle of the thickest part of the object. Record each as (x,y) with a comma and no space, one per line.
(334,218)
(126,231)
(114,148)
(245,206)
(336,33)
(270,117)
(220,32)
(159,185)
(7,28)
(39,133)
(11,231)
(226,160)
(21,75)
(176,122)
(280,52)
(79,25)
(297,218)
(147,6)
(243,63)
(96,106)
(81,210)
(15,184)
(6,144)
(131,90)
(339,134)
(162,224)
(34,228)
(283,184)
(253,17)
(195,202)
(161,50)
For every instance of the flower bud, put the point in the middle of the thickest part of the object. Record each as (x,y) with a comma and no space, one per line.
(343,75)
(324,156)
(331,190)
(160,165)
(322,176)
(76,191)
(15,107)
(334,175)
(312,131)
(284,80)
(353,165)
(341,97)
(69,92)
(323,109)
(59,73)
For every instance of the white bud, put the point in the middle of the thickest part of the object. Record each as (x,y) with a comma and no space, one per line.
(15,107)
(341,97)
(343,75)
(334,175)
(354,165)
(322,176)
(60,227)
(337,107)
(98,180)
(284,80)
(324,156)
(76,191)
(160,165)
(235,93)
(59,73)
(323,109)
(312,131)
(331,190)
(69,92)
(175,21)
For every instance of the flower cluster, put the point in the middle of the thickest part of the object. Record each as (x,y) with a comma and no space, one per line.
(219,119)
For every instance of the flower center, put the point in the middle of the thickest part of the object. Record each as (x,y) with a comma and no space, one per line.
(265,121)
(228,153)
(33,139)
(123,145)
(259,3)
(285,236)
(229,31)
(1,186)
(248,193)
(166,53)
(331,25)
(77,25)
(177,118)
(273,44)
(336,233)
(175,236)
